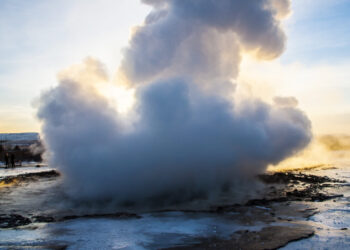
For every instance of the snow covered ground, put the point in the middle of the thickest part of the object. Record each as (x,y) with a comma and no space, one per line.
(19,136)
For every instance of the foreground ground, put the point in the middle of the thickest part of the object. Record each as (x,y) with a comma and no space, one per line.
(293,210)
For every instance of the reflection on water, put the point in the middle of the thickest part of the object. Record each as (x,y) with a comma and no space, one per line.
(151,231)
(47,197)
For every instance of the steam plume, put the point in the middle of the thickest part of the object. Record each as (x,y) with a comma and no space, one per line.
(186,136)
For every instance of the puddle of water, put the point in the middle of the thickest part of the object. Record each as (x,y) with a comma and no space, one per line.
(150,232)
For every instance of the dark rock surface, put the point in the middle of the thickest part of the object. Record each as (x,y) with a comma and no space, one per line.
(13,220)
(42,218)
(29,177)
(16,220)
(297,187)
(289,177)
(114,215)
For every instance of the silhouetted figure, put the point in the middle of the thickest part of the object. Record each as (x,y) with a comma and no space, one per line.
(6,160)
(13,160)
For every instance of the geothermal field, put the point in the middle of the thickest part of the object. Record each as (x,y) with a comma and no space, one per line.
(291,209)
(207,134)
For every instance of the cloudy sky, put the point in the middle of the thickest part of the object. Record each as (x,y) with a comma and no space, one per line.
(40,38)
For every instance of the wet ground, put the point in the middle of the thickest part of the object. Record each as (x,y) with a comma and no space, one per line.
(295,210)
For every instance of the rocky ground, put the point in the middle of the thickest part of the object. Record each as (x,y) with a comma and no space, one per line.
(289,205)
(27,177)
(270,222)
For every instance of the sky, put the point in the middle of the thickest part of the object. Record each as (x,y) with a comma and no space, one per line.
(39,38)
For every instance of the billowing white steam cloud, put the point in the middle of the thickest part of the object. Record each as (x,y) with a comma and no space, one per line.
(202,39)
(187,137)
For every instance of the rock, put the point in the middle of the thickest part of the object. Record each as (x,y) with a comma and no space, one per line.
(29,177)
(264,201)
(13,220)
(40,218)
(290,177)
(115,215)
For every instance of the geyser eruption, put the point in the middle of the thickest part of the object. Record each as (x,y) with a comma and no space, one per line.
(186,135)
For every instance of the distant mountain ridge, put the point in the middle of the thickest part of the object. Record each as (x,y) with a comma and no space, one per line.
(19,136)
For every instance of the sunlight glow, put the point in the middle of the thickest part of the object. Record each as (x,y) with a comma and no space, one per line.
(122,98)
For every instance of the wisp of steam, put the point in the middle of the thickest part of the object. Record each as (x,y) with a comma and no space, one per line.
(187,135)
